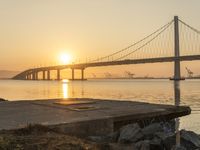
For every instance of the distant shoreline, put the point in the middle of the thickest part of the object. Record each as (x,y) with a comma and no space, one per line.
(5,78)
(119,78)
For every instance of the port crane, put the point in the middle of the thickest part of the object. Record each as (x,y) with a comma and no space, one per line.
(94,75)
(129,74)
(190,73)
(107,75)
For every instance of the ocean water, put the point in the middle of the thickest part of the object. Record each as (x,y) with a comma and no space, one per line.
(146,90)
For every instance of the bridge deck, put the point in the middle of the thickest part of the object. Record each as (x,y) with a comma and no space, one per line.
(109,63)
(83,116)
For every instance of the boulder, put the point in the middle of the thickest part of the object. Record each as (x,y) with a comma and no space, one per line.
(156,144)
(169,141)
(151,129)
(96,138)
(178,148)
(99,139)
(162,135)
(143,145)
(130,133)
(114,136)
(121,146)
(191,139)
(168,127)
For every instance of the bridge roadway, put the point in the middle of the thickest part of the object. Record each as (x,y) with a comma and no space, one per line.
(33,73)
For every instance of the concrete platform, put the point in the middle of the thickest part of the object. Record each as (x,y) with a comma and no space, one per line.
(84,116)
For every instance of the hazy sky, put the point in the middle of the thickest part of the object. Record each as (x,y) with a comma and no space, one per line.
(34,32)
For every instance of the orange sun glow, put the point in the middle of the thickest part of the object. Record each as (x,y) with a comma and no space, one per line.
(65,58)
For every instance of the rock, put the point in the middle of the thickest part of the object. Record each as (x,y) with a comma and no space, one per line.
(151,129)
(143,145)
(95,138)
(114,136)
(162,135)
(2,100)
(169,141)
(191,138)
(157,136)
(130,133)
(156,144)
(168,127)
(99,139)
(120,146)
(178,148)
(102,146)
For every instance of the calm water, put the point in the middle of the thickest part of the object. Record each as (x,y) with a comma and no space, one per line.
(153,91)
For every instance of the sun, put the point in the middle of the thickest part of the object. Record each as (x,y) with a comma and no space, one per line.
(65,58)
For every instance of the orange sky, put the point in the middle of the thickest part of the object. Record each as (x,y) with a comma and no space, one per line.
(34,33)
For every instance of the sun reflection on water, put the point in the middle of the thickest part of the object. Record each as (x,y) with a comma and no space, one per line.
(65,88)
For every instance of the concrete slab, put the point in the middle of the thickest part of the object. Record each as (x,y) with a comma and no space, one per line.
(83,116)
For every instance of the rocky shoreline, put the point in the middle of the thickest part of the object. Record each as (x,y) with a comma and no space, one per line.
(156,136)
(146,136)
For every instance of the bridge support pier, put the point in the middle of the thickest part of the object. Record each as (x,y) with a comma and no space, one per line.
(58,74)
(28,77)
(33,76)
(72,73)
(36,75)
(82,73)
(43,75)
(48,75)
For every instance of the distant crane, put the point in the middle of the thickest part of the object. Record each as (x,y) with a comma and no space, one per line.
(190,73)
(129,74)
(94,75)
(107,75)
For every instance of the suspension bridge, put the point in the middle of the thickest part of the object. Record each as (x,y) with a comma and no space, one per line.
(174,42)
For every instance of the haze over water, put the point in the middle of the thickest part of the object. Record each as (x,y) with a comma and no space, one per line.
(152,91)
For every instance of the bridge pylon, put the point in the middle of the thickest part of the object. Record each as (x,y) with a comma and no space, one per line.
(177,69)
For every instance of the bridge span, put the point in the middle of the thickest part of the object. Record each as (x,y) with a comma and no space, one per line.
(171,43)
(32,74)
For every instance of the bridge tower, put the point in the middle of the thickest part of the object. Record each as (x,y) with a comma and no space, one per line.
(177,71)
